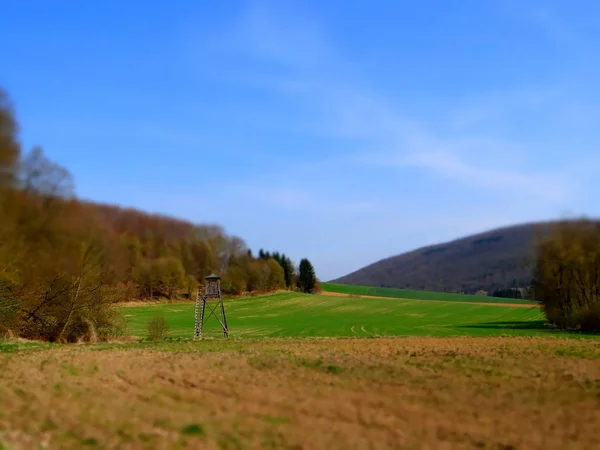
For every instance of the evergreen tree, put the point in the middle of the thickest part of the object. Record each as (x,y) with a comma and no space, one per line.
(288,271)
(307,280)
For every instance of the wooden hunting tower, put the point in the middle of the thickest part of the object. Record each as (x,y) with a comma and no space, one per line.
(212,300)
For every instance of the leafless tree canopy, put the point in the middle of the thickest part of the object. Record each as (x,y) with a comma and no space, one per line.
(567,275)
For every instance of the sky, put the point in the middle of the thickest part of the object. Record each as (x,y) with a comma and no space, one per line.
(341,131)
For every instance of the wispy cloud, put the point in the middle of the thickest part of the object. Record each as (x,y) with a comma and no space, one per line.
(556,28)
(347,109)
(550,188)
(280,38)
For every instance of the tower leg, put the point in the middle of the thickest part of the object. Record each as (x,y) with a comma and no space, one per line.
(225,327)
(197,322)
(202,316)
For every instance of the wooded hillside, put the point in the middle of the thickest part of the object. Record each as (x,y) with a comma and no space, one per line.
(496,260)
(63,262)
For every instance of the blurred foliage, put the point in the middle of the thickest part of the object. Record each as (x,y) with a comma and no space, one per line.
(157,328)
(567,275)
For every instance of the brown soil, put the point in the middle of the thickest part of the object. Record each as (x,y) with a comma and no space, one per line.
(430,393)
(513,305)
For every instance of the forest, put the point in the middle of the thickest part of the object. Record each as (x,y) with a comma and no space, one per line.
(64,262)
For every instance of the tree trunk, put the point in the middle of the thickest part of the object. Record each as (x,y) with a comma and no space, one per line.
(64,328)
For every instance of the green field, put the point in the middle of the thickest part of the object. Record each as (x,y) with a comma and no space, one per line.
(300,315)
(417,295)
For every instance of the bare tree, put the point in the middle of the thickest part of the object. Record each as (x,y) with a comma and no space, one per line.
(9,146)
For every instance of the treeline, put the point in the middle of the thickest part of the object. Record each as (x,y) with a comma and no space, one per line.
(64,262)
(289,271)
(302,278)
(518,293)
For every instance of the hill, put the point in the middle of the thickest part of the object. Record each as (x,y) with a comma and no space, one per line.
(494,260)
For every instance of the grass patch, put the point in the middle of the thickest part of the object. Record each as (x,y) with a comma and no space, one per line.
(318,364)
(71,369)
(19,346)
(89,442)
(277,420)
(263,362)
(193,429)
(334,369)
(311,363)
(578,352)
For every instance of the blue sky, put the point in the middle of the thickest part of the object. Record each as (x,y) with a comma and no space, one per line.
(340,131)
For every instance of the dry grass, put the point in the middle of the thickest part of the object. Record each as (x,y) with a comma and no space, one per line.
(321,393)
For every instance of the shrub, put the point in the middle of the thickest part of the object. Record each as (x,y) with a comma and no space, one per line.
(112,326)
(8,317)
(191,284)
(9,310)
(317,289)
(157,328)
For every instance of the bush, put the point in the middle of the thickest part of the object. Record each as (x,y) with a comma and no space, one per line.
(317,289)
(111,325)
(9,310)
(234,281)
(567,275)
(8,317)
(157,328)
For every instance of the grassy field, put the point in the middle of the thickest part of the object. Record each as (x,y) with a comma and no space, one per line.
(417,295)
(298,315)
(429,393)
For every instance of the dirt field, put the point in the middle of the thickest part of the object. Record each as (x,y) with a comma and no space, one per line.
(433,393)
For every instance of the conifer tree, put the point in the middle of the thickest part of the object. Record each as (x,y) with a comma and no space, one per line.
(307,280)
(288,270)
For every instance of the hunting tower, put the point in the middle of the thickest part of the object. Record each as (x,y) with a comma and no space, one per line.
(213,301)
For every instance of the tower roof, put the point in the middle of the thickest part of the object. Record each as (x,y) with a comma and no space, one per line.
(212,276)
